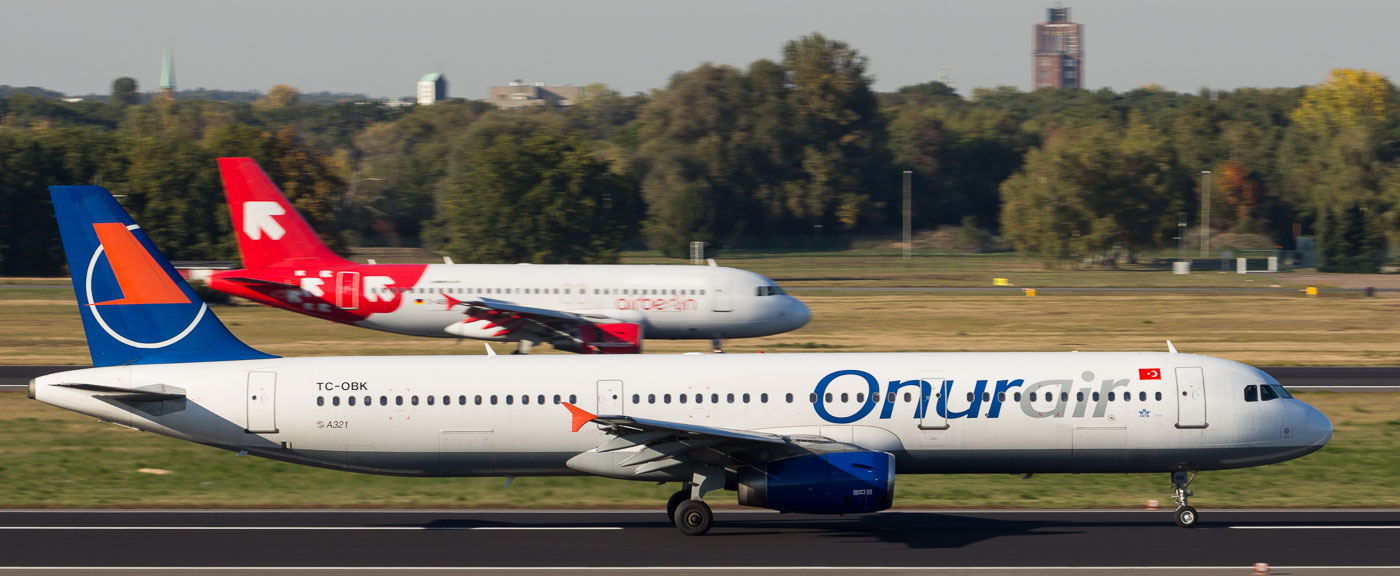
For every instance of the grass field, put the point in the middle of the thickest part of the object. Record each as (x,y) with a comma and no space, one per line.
(41,326)
(52,458)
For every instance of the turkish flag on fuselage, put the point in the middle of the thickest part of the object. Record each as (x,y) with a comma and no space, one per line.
(1149,373)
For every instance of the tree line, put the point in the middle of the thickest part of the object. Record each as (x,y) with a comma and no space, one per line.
(730,156)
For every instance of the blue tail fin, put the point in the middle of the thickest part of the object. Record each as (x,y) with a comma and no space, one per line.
(136,309)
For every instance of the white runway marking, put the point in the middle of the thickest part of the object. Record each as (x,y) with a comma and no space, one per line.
(317,528)
(1397,527)
(493,569)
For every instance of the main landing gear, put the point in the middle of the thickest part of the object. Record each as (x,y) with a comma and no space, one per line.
(687,510)
(1186,516)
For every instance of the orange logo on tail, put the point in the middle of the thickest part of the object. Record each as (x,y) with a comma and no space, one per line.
(141,279)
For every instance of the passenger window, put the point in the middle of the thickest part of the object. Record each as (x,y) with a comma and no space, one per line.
(1267,393)
(1111,397)
(812,398)
(369,400)
(573,399)
(398,400)
(1001,396)
(350,400)
(1078,396)
(1159,396)
(636,398)
(493,399)
(682,398)
(1018,396)
(1032,396)
(1127,396)
(556,398)
(860,397)
(890,397)
(510,399)
(763,397)
(477,400)
(383,400)
(986,396)
(828,397)
(430,400)
(699,398)
(320,400)
(907,397)
(461,400)
(525,398)
(714,399)
(845,397)
(539,399)
(414,400)
(729,398)
(666,398)
(651,398)
(1142,396)
(1096,396)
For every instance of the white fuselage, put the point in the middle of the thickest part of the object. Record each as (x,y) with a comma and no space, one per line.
(451,415)
(669,302)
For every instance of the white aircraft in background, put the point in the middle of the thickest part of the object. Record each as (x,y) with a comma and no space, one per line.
(579,308)
(811,433)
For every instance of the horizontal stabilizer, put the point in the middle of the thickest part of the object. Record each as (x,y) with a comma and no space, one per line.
(155,393)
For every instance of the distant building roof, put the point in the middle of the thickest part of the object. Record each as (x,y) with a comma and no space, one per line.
(430,77)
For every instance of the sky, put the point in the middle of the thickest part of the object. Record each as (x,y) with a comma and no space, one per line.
(381,48)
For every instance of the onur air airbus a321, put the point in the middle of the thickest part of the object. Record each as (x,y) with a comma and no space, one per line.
(809,433)
(579,308)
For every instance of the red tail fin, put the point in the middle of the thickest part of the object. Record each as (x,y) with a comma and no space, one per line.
(269,229)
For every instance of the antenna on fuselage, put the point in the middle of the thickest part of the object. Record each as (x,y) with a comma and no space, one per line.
(1171,348)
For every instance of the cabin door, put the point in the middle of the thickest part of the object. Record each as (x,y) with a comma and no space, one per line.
(347,290)
(610,398)
(262,402)
(1190,398)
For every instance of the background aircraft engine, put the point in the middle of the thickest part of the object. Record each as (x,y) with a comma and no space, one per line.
(611,338)
(831,483)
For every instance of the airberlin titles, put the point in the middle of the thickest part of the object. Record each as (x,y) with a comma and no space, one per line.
(1054,398)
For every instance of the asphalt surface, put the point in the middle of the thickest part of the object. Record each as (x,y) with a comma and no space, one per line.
(1301,378)
(642,541)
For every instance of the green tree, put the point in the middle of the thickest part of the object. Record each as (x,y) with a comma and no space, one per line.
(540,198)
(124,92)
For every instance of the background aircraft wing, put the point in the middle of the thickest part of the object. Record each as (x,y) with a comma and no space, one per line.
(566,330)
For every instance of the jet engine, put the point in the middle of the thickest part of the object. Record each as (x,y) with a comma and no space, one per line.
(830,483)
(609,338)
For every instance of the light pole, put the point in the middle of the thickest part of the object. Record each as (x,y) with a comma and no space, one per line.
(1205,213)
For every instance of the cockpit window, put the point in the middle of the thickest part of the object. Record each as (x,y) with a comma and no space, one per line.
(1267,393)
(1251,393)
(769,290)
(1282,393)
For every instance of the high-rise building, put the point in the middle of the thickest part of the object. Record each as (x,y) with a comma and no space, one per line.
(167,73)
(432,88)
(1058,52)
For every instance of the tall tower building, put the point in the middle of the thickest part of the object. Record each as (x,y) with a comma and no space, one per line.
(1058,52)
(167,73)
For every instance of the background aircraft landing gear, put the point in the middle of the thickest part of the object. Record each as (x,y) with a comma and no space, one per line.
(717,345)
(524,348)
(1186,516)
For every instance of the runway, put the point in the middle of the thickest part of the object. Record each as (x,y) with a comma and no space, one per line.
(1295,377)
(982,542)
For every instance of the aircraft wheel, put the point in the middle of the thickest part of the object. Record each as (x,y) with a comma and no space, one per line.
(1186,517)
(680,496)
(693,517)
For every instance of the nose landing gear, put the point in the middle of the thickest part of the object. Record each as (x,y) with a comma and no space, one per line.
(1186,516)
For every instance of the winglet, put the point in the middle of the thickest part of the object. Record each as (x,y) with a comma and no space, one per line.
(1171,348)
(581,416)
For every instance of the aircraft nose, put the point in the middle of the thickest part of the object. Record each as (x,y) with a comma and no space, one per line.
(1316,427)
(798,312)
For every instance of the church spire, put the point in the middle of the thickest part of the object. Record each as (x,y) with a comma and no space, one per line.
(167,73)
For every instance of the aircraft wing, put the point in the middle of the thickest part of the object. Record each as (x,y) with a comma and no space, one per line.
(565,330)
(155,393)
(644,445)
(478,305)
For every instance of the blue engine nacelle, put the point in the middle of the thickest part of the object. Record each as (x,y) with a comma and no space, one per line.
(830,483)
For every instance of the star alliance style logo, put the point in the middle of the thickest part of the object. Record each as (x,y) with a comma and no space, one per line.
(1144,413)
